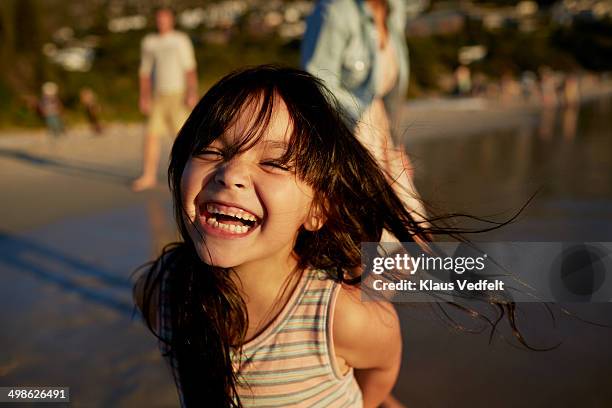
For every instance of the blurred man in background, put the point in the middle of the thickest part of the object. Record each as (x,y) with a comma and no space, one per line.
(168,89)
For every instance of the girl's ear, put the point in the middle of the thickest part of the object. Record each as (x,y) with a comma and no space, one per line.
(315,219)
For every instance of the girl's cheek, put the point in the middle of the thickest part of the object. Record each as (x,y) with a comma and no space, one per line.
(193,181)
(189,189)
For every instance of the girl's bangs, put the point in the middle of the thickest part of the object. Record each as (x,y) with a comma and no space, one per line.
(259,104)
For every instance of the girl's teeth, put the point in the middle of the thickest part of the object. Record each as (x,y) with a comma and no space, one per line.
(232,228)
(211,208)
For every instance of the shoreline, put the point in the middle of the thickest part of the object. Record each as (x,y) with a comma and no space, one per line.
(420,118)
(448,117)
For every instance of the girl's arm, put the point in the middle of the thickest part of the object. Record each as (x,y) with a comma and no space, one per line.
(367,336)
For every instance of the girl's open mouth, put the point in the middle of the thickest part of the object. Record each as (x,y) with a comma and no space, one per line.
(227,220)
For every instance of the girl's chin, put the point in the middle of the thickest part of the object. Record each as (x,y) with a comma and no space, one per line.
(217,261)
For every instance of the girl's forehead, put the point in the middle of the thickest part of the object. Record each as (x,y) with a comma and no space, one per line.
(272,131)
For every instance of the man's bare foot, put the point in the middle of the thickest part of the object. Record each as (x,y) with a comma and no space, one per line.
(143,183)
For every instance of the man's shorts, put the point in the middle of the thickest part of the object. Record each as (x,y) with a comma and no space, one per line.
(168,113)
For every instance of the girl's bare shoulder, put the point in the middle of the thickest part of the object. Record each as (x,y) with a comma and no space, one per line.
(149,285)
(366,333)
(153,278)
(146,297)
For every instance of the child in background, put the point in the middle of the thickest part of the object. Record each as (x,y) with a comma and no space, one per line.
(260,304)
(50,108)
(92,109)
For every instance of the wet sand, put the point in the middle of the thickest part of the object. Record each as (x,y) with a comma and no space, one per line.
(72,232)
(566,155)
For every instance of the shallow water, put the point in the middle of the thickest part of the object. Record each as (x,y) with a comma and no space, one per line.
(566,156)
(66,306)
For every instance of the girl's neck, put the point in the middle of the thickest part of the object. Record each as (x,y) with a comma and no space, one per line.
(255,275)
(265,286)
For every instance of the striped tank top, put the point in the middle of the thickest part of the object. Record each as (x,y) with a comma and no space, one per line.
(292,362)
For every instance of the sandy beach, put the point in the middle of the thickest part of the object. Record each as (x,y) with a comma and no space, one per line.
(72,231)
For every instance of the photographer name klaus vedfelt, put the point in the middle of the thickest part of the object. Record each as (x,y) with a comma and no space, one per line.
(429,285)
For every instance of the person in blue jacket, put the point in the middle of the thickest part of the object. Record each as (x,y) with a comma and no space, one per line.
(358,48)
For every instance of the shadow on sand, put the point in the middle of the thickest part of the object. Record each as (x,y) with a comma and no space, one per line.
(72,167)
(89,281)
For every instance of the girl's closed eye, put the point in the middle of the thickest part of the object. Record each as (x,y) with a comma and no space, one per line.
(210,154)
(276,165)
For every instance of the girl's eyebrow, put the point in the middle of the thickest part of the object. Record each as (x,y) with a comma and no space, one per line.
(273,144)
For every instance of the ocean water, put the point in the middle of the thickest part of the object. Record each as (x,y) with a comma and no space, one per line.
(562,160)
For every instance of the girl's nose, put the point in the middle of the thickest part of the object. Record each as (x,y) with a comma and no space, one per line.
(233,174)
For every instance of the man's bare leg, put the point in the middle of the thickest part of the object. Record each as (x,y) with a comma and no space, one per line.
(150,161)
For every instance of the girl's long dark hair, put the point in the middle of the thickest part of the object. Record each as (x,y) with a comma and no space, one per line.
(203,305)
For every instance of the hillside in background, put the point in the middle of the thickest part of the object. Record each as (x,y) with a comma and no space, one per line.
(95,44)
